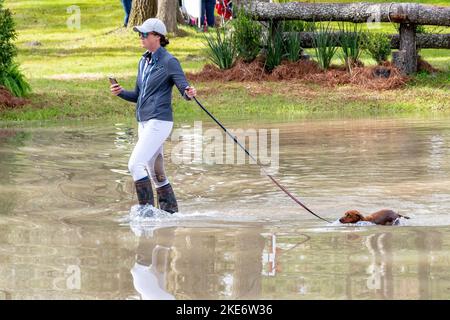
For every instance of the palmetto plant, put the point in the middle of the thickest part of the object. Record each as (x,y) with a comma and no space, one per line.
(13,79)
(221,50)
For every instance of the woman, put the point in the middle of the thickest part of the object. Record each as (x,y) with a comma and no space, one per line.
(158,71)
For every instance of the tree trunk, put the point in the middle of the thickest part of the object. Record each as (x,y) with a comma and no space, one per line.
(353,12)
(423,40)
(180,18)
(141,11)
(167,13)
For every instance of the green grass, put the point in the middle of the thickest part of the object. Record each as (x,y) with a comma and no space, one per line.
(68,73)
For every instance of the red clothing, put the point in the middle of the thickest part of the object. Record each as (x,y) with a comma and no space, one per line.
(223,8)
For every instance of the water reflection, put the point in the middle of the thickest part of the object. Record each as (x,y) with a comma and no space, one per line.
(251,263)
(9,140)
(77,259)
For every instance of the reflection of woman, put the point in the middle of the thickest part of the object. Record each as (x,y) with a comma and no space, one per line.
(158,71)
(153,261)
(188,264)
(147,279)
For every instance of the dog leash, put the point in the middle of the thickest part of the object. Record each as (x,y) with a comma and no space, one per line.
(257,162)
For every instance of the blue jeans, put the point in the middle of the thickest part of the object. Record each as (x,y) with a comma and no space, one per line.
(208,6)
(127,8)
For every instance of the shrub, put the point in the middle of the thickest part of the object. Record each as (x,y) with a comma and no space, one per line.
(299,26)
(324,45)
(10,75)
(221,50)
(378,45)
(247,36)
(7,36)
(420,29)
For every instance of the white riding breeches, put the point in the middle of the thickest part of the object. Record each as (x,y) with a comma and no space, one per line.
(147,156)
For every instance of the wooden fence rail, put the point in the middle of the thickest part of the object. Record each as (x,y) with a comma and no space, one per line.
(423,40)
(360,12)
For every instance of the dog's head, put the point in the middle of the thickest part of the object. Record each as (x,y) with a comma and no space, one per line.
(351,216)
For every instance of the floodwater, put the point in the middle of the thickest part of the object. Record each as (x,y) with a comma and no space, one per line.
(66,231)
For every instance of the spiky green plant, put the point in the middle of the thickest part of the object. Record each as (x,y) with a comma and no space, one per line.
(350,39)
(221,50)
(274,48)
(292,47)
(324,43)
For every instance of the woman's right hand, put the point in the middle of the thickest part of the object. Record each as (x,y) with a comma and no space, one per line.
(116,89)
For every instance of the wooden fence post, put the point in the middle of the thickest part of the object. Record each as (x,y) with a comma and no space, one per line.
(275,28)
(406,58)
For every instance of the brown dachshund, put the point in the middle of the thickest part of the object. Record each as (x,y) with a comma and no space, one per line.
(383,217)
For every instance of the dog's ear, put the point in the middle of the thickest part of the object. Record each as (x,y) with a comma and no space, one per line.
(359,216)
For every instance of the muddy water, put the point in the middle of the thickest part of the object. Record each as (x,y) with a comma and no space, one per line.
(65,232)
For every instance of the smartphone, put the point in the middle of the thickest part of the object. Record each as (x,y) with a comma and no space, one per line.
(113,80)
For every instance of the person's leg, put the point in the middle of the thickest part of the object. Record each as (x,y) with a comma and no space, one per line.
(210,7)
(152,135)
(156,170)
(127,8)
(166,197)
(202,13)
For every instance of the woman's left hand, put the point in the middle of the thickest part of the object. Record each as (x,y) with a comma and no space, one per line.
(191,92)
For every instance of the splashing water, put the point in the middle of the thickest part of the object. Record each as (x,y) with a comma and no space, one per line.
(397,222)
(143,219)
(140,212)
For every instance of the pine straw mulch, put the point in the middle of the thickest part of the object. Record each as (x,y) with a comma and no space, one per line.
(306,70)
(7,100)
(423,65)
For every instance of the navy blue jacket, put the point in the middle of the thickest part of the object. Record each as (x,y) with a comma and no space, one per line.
(154,83)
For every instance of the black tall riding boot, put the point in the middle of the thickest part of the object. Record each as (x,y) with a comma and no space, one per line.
(145,192)
(166,199)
